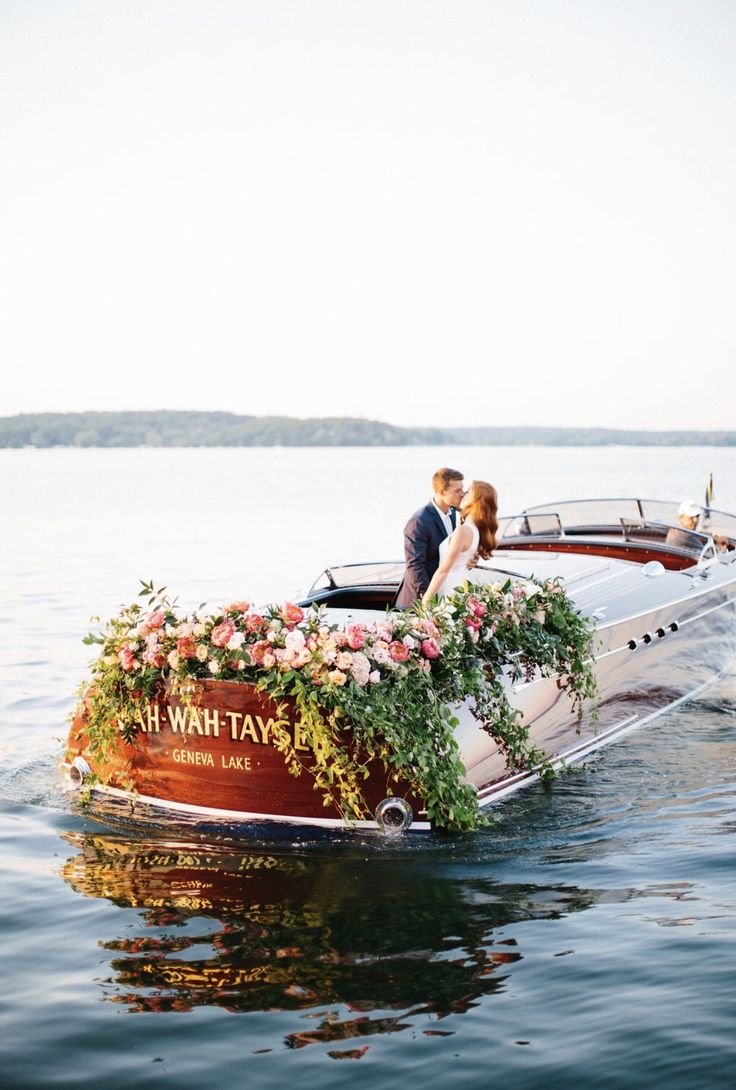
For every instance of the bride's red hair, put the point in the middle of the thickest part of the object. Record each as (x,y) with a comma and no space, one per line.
(482,509)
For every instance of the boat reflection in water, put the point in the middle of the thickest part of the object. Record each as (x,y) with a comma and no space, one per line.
(365,943)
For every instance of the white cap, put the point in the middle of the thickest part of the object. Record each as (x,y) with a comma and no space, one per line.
(689,508)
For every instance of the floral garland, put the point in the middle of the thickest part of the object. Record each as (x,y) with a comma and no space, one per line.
(393,681)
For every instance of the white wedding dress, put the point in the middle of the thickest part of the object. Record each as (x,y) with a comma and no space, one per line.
(458,573)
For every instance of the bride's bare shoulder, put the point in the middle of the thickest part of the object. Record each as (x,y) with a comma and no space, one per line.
(464,534)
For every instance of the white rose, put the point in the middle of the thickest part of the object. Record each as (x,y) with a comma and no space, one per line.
(294,640)
(236,640)
(360,668)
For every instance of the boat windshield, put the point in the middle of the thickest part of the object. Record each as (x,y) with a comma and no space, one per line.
(377,574)
(572,516)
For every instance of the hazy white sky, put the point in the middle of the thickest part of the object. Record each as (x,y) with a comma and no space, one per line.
(452,213)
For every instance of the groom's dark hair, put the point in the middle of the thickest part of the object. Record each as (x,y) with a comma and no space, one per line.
(442,478)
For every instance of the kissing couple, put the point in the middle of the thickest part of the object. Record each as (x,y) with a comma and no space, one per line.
(447,537)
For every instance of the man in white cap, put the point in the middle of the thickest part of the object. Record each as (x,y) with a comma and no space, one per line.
(688,517)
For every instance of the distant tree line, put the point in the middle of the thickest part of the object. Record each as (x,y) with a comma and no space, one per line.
(220,429)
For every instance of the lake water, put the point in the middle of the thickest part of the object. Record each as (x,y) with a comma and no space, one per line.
(588,937)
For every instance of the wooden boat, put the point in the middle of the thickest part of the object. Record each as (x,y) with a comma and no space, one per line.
(213,759)
(664,604)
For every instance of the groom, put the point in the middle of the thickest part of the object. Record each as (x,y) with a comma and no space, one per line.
(424,532)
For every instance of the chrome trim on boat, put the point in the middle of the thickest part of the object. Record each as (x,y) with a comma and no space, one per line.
(243,816)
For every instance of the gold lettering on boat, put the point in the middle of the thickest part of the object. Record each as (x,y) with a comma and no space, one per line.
(242,763)
(211,720)
(195,723)
(152,723)
(299,742)
(186,719)
(233,717)
(193,757)
(177,718)
(265,729)
(249,729)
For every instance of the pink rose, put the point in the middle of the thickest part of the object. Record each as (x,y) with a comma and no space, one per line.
(155,619)
(258,650)
(255,623)
(430,648)
(292,614)
(186,647)
(221,633)
(472,623)
(355,634)
(127,659)
(475,606)
(398,651)
(237,607)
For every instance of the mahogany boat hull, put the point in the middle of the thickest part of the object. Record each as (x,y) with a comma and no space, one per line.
(215,757)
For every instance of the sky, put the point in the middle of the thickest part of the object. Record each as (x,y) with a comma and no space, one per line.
(456,213)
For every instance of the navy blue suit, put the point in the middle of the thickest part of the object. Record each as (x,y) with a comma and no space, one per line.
(423,535)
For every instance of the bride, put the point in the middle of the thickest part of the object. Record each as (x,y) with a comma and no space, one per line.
(474,537)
